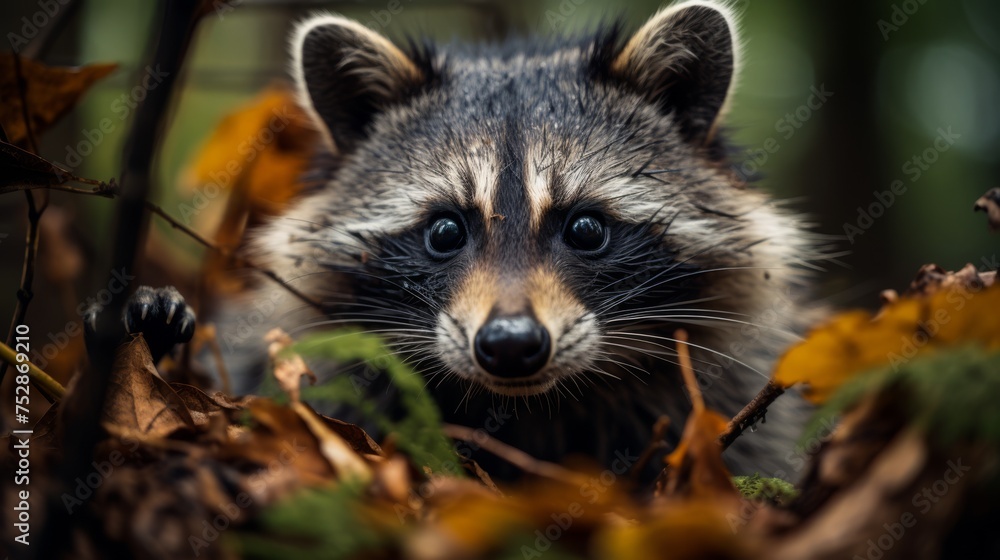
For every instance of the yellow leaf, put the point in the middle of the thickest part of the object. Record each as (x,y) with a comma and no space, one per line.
(680,531)
(51,91)
(855,341)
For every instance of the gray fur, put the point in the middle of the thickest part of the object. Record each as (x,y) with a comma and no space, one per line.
(515,138)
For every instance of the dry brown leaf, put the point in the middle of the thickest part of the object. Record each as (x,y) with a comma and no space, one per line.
(277,435)
(469,521)
(853,342)
(203,406)
(358,439)
(867,490)
(990,203)
(288,369)
(695,466)
(932,278)
(51,91)
(138,400)
(344,460)
(392,479)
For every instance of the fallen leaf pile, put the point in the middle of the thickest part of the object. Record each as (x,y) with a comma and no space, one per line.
(186,473)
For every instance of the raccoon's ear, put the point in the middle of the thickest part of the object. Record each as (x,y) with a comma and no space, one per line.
(684,59)
(347,73)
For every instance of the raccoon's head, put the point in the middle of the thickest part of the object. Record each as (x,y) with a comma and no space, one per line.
(517,215)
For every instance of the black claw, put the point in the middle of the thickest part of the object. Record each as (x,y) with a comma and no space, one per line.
(171,311)
(160,314)
(90,320)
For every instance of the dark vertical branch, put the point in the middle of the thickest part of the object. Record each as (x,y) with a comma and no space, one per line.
(179,19)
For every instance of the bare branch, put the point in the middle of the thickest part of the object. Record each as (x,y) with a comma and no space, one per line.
(751,413)
(226,253)
(24,291)
(514,456)
(104,190)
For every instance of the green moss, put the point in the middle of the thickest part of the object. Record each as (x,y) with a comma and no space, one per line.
(773,490)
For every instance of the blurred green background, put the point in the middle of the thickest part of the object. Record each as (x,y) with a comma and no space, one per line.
(894,73)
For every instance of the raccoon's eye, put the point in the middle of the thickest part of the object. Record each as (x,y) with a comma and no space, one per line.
(445,236)
(586,232)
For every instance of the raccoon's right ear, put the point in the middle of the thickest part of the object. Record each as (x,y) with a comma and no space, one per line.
(346,74)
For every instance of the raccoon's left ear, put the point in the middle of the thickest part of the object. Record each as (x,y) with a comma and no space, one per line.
(347,74)
(684,59)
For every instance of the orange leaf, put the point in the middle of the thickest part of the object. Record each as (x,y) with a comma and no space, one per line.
(51,91)
(687,530)
(695,467)
(263,148)
(854,341)
(258,154)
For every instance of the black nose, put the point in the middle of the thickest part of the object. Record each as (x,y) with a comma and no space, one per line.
(512,347)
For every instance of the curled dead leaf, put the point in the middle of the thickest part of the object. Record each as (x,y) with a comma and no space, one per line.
(344,459)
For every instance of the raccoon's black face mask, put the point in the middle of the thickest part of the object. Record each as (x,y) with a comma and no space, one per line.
(530,214)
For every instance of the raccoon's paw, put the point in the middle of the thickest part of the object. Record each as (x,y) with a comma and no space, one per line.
(160,314)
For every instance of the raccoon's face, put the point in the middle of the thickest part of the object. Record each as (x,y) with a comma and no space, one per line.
(515,214)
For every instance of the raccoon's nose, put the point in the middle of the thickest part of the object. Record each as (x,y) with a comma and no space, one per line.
(512,347)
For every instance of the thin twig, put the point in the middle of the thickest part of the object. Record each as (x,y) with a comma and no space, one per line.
(746,418)
(53,389)
(24,291)
(226,253)
(751,413)
(105,190)
(110,190)
(656,443)
(684,359)
(514,456)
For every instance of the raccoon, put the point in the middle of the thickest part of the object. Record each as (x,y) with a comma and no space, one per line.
(528,224)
